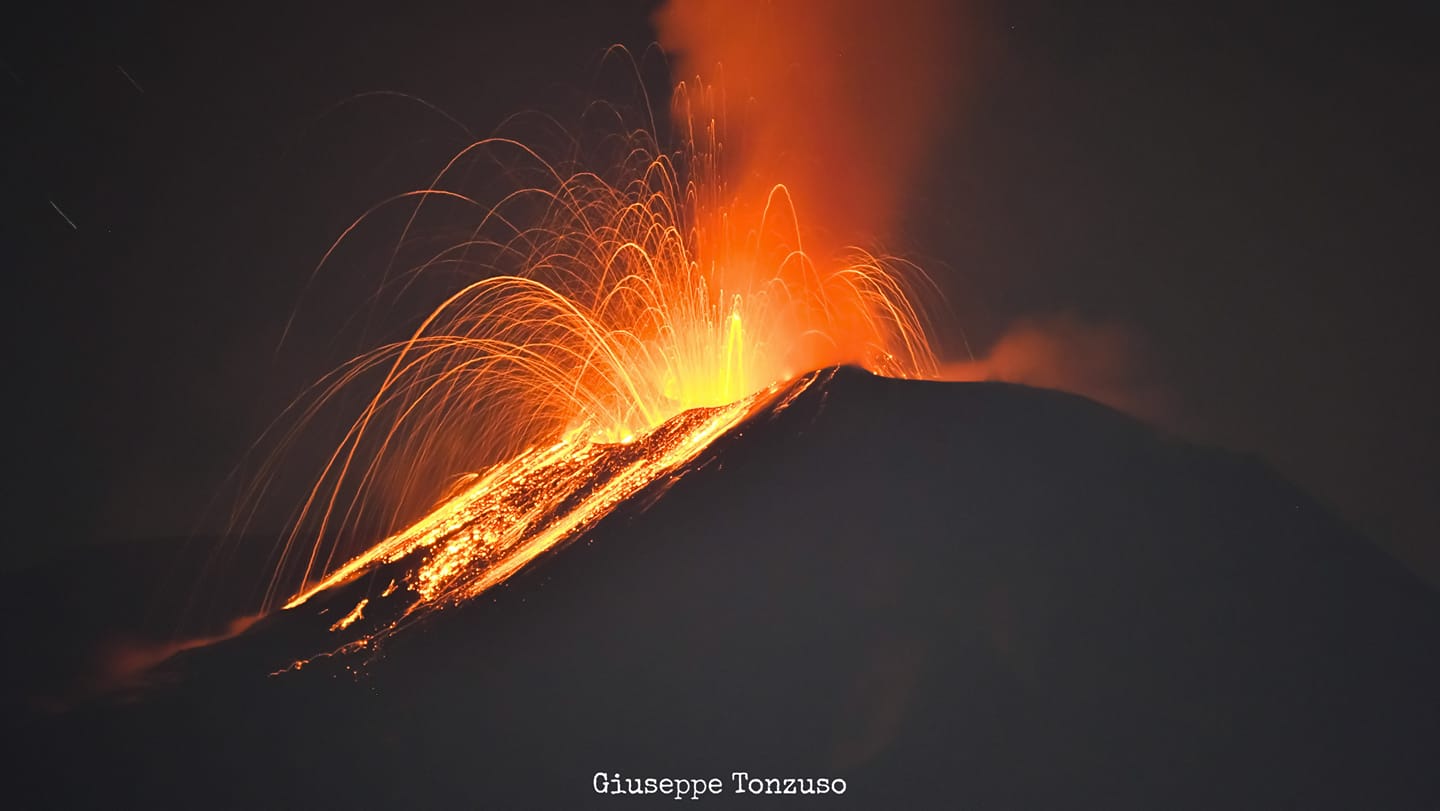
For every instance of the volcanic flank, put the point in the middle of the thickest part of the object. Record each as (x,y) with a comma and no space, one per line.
(941,593)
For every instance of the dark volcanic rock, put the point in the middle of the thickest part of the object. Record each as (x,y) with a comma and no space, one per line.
(956,595)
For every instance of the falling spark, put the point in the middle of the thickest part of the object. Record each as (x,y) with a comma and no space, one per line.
(129,78)
(63,215)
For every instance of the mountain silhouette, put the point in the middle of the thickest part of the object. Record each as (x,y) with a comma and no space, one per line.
(945,594)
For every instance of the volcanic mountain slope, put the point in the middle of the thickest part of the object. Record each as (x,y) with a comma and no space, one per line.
(956,595)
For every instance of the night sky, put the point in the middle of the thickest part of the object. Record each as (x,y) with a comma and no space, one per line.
(1246,190)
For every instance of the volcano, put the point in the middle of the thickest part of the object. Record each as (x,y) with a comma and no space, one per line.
(944,594)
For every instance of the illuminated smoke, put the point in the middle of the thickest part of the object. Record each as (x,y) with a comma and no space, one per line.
(841,101)
(1103,361)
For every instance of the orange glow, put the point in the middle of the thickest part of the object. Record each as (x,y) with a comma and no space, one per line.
(124,662)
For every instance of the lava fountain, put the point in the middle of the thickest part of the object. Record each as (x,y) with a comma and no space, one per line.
(614,339)
(612,317)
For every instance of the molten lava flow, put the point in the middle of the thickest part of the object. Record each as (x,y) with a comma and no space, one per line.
(520,509)
(523,506)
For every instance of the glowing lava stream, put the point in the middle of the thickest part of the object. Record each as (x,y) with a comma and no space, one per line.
(521,508)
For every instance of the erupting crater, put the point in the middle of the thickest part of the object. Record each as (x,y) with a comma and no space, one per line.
(607,326)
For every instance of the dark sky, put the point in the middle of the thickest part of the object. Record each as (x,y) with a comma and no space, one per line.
(1249,189)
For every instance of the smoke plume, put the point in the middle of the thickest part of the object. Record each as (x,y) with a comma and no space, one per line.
(840,101)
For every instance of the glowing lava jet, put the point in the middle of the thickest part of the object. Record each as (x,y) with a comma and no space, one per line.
(615,313)
(616,325)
